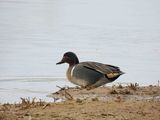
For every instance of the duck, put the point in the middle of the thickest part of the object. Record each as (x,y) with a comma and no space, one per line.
(89,74)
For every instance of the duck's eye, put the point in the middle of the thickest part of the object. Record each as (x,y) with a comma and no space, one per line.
(66,57)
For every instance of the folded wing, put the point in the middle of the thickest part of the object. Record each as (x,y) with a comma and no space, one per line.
(109,71)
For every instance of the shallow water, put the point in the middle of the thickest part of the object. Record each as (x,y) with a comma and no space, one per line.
(12,90)
(34,34)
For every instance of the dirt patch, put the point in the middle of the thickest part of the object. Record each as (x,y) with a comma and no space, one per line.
(112,103)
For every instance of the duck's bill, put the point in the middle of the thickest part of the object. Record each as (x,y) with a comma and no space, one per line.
(61,62)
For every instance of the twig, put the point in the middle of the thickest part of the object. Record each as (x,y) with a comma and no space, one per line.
(45,106)
(110,114)
(61,88)
(66,94)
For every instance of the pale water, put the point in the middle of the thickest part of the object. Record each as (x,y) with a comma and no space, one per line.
(34,34)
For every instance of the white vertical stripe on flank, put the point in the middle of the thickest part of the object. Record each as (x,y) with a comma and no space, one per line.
(72,71)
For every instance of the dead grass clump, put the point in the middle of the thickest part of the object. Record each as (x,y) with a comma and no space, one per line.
(65,93)
(120,86)
(78,100)
(125,92)
(28,103)
(113,91)
(133,86)
(95,99)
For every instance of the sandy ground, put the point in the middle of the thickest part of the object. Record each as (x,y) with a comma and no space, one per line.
(119,102)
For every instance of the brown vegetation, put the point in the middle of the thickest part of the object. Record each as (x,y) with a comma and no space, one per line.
(119,102)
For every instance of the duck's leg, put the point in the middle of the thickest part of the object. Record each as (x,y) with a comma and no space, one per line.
(100,82)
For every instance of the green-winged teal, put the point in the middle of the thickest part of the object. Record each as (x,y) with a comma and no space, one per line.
(89,74)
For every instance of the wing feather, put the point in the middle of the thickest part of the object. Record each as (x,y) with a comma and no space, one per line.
(109,70)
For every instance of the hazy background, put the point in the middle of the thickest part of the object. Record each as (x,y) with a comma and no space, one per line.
(34,34)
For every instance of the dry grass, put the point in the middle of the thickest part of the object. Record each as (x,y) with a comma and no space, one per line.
(29,103)
(124,90)
(9,111)
(113,91)
(133,86)
(66,94)
(93,110)
(94,106)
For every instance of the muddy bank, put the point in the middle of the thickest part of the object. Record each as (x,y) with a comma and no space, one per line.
(113,103)
(124,92)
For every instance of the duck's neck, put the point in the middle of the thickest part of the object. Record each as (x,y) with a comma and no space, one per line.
(69,72)
(73,62)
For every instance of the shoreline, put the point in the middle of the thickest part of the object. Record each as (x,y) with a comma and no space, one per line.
(114,103)
(11,90)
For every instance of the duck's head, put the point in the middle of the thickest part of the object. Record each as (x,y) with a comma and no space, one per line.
(70,58)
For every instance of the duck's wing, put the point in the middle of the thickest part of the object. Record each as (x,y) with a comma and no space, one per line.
(109,71)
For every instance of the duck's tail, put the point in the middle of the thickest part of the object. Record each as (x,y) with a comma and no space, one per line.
(121,73)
